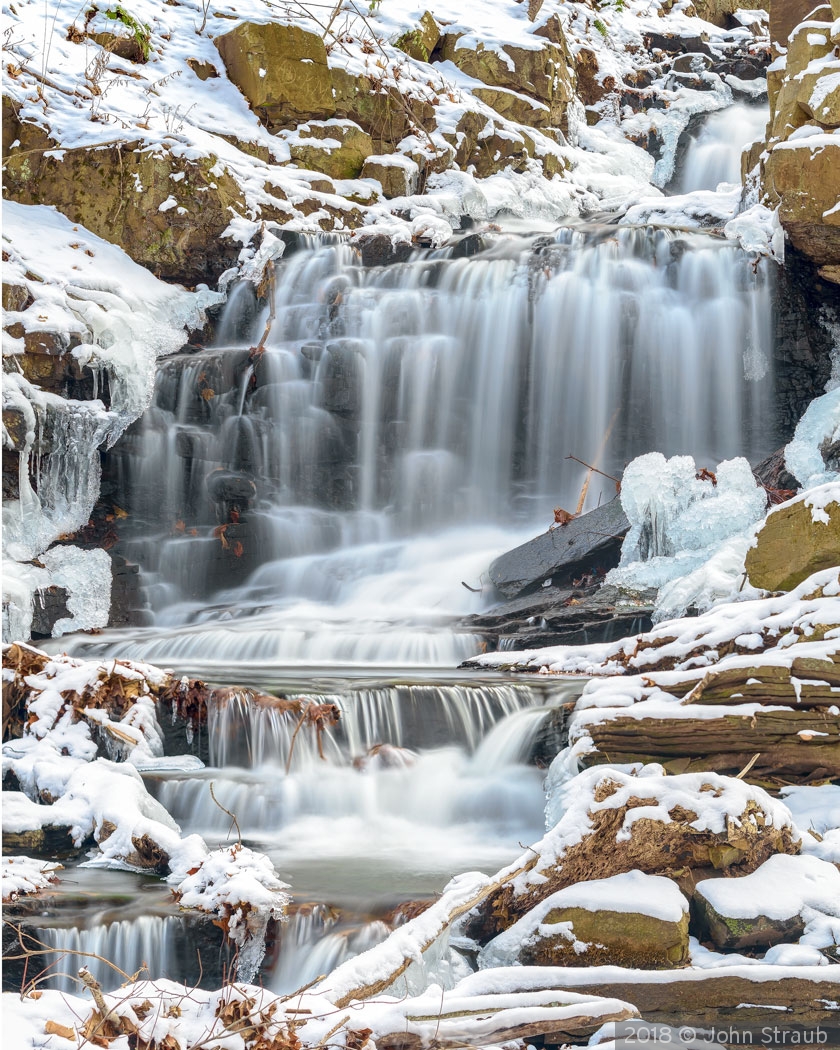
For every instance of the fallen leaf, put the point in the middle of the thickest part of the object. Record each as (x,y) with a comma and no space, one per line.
(54,1028)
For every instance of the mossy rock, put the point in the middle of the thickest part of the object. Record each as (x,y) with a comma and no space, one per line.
(386,115)
(735,934)
(117,193)
(337,148)
(609,938)
(280,69)
(420,42)
(791,545)
(719,12)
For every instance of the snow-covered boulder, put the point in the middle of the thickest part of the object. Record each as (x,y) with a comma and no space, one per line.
(771,905)
(609,821)
(631,919)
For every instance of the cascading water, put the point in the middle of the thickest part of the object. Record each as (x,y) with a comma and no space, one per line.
(304,514)
(319,501)
(713,155)
(358,833)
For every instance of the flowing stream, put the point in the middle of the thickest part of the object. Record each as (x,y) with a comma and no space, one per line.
(305,514)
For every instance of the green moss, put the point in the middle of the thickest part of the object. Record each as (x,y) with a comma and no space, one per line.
(413,44)
(141,31)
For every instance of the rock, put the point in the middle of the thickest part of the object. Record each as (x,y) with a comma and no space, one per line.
(16,298)
(387,116)
(512,106)
(632,919)
(543,73)
(420,42)
(338,148)
(130,47)
(792,744)
(563,553)
(792,544)
(378,249)
(590,87)
(49,606)
(398,176)
(231,487)
(805,180)
(563,616)
(767,906)
(203,70)
(719,12)
(772,472)
(342,377)
(690,822)
(675,44)
(785,15)
(117,192)
(819,97)
(280,69)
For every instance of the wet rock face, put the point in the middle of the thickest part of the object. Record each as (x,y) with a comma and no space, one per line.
(563,552)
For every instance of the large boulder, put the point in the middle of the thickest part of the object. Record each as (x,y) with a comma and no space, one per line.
(632,919)
(795,541)
(800,170)
(767,907)
(613,822)
(585,543)
(167,212)
(785,15)
(280,69)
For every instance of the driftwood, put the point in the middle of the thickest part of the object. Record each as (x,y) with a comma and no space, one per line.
(710,997)
(492,1019)
(344,986)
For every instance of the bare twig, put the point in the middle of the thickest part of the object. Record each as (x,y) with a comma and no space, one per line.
(231,815)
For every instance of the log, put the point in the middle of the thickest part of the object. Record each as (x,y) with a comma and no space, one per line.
(492,1019)
(791,742)
(351,981)
(702,997)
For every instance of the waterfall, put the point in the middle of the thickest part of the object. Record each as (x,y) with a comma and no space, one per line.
(320,501)
(713,155)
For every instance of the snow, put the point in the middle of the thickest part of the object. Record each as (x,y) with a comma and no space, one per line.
(23,875)
(781,888)
(127,318)
(242,887)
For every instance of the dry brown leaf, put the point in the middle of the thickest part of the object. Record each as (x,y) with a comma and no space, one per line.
(54,1028)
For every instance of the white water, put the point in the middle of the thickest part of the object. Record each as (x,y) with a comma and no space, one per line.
(407,424)
(714,155)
